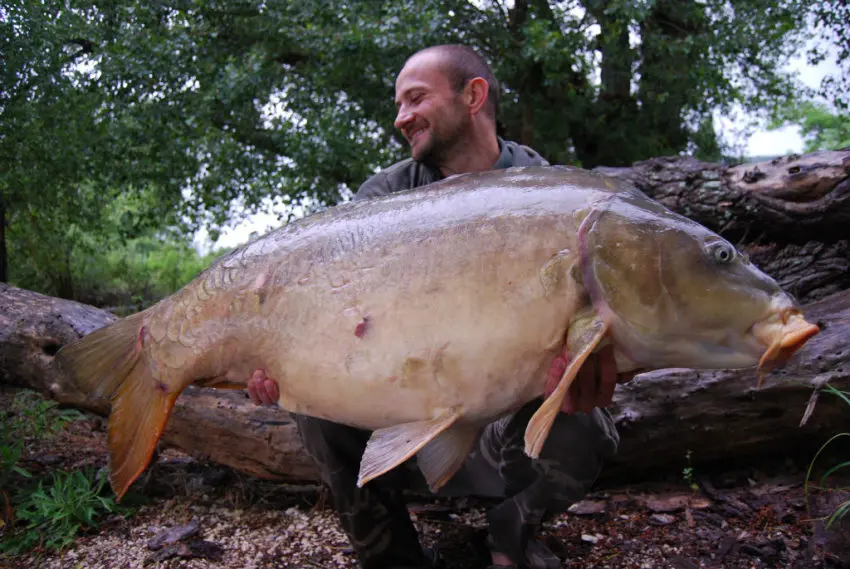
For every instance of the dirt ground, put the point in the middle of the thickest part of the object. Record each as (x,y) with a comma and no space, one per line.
(201,515)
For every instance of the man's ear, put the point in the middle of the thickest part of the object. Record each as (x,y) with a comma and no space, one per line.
(475,94)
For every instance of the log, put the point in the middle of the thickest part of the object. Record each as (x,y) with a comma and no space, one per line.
(660,415)
(795,198)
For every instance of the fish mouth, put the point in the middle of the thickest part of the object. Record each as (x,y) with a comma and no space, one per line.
(783,333)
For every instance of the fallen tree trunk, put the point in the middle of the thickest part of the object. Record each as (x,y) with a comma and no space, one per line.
(661,415)
(789,199)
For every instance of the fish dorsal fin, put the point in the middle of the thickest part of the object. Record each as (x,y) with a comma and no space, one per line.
(584,336)
(445,454)
(391,446)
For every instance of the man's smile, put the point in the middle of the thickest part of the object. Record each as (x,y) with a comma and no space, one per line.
(414,134)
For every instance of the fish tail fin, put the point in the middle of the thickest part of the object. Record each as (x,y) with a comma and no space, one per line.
(140,410)
(109,363)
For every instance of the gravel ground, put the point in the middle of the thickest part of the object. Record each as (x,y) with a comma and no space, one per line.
(199,515)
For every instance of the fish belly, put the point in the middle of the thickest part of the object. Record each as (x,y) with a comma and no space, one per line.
(416,327)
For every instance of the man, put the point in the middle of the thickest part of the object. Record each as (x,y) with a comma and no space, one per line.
(447,100)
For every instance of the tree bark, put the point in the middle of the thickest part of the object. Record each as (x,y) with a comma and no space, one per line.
(660,415)
(791,199)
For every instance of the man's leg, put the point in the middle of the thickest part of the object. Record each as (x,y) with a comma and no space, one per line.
(374,517)
(569,464)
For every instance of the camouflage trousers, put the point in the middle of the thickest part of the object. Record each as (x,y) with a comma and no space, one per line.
(376,519)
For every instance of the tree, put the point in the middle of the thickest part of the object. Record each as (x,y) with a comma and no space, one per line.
(216,105)
(820,128)
(832,19)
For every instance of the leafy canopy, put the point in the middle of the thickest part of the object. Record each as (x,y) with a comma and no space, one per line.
(203,105)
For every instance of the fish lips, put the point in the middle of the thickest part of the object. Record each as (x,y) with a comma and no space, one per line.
(782,334)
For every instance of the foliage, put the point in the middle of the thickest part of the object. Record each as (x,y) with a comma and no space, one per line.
(47,514)
(36,417)
(832,20)
(820,128)
(53,514)
(116,258)
(197,109)
(239,101)
(842,509)
(30,417)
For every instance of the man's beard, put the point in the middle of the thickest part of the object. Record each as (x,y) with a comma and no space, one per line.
(440,146)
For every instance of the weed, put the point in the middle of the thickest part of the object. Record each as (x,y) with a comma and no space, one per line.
(688,472)
(54,513)
(45,513)
(842,509)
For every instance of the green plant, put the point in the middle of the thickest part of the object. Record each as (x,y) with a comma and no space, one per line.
(36,417)
(55,512)
(842,509)
(48,513)
(688,472)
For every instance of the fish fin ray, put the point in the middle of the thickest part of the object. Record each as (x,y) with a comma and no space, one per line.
(109,363)
(441,458)
(391,446)
(556,272)
(140,411)
(99,362)
(583,339)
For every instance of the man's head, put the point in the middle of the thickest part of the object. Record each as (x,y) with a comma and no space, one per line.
(443,94)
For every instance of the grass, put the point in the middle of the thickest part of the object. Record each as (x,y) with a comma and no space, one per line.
(843,508)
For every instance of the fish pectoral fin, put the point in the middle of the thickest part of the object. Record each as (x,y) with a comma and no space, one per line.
(389,447)
(445,454)
(584,336)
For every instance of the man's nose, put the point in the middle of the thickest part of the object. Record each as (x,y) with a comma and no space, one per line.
(402,118)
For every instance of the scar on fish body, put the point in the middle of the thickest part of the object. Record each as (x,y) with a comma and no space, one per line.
(140,339)
(360,329)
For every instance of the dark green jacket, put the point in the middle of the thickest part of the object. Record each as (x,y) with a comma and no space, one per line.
(409,174)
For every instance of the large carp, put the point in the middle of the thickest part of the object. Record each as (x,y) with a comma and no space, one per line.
(426,314)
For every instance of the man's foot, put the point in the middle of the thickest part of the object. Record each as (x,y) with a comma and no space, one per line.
(537,555)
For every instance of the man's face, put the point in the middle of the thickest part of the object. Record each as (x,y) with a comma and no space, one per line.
(431,115)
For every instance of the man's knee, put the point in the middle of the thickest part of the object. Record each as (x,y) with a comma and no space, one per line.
(570,461)
(331,445)
(588,434)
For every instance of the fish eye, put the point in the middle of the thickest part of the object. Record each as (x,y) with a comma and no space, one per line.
(721,252)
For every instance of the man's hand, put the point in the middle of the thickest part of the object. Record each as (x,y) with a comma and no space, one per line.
(262,390)
(593,386)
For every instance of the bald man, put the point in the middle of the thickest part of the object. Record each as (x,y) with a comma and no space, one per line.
(448,99)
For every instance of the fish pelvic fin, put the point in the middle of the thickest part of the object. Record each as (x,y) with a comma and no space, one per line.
(584,336)
(391,446)
(110,363)
(441,458)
